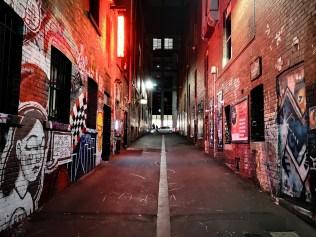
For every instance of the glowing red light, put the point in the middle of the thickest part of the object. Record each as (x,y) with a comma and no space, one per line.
(120,36)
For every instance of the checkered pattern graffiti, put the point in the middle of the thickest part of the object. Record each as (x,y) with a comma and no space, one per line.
(78,119)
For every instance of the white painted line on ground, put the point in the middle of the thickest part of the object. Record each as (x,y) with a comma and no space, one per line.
(163,216)
(284,234)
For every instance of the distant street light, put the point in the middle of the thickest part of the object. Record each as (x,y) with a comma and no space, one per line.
(149,85)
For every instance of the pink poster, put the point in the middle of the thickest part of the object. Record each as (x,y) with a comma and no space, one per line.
(239,121)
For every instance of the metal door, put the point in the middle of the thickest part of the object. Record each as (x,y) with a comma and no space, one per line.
(106,146)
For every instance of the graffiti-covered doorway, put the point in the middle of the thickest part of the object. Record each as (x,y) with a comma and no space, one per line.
(106,146)
(293,131)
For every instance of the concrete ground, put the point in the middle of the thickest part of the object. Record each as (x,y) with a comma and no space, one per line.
(206,199)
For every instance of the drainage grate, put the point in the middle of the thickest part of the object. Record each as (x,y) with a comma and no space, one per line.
(284,234)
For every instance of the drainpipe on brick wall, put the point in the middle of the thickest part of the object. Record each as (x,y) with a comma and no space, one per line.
(213,72)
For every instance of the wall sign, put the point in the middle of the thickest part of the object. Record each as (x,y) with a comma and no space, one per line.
(239,122)
(256,68)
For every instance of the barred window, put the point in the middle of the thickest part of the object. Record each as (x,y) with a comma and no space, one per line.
(59,87)
(11,40)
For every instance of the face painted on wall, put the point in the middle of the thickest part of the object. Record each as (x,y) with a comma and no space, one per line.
(30,152)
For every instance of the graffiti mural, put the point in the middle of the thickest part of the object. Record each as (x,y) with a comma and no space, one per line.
(100,130)
(219,120)
(61,150)
(83,158)
(211,125)
(78,118)
(30,11)
(22,165)
(293,131)
(30,145)
(76,85)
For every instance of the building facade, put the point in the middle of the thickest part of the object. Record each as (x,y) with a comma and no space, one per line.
(65,95)
(258,91)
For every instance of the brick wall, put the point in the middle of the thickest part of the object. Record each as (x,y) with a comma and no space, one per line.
(39,156)
(282,33)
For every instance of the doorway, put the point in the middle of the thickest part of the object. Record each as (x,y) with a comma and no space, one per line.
(106,147)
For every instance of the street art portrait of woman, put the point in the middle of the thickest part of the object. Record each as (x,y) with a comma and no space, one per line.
(22,165)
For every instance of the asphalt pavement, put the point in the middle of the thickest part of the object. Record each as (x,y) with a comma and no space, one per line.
(120,198)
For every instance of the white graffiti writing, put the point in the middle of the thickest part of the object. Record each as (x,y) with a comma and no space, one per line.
(30,11)
(82,61)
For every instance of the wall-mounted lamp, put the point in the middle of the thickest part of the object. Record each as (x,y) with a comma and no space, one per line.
(213,70)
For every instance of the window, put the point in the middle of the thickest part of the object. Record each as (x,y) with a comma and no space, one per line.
(227,125)
(227,37)
(195,84)
(92,103)
(59,87)
(108,40)
(11,39)
(257,114)
(156,43)
(206,71)
(168,43)
(94,10)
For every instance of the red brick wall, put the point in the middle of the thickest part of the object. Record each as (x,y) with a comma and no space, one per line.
(277,25)
(66,26)
(283,34)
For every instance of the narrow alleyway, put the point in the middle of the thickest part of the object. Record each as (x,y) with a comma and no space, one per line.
(205,199)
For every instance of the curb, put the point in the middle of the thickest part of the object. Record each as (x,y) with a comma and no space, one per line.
(303,213)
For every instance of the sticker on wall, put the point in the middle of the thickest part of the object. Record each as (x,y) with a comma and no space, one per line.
(78,118)
(61,150)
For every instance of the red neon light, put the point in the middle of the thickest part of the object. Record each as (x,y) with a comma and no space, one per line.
(120,36)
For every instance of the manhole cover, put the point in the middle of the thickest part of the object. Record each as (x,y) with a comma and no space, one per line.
(284,234)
